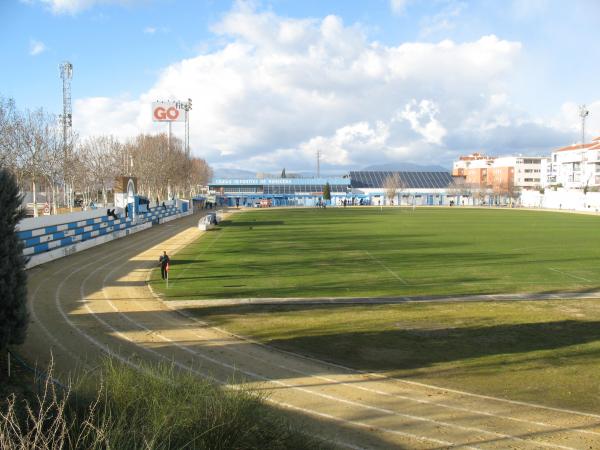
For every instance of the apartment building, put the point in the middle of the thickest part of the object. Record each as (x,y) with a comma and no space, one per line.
(473,167)
(500,173)
(574,166)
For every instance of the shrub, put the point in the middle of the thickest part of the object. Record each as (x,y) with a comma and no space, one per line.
(13,279)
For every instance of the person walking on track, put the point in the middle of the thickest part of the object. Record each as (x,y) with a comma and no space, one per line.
(164,261)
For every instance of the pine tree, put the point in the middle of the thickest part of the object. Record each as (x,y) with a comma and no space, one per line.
(13,278)
(327,192)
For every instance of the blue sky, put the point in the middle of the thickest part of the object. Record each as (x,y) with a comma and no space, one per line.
(273,81)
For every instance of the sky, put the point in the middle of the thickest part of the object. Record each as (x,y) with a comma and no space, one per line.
(272,82)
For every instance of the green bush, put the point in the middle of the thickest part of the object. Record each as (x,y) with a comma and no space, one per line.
(13,279)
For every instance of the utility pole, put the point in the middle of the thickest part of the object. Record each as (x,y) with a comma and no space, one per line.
(583,113)
(66,73)
(188,108)
(318,163)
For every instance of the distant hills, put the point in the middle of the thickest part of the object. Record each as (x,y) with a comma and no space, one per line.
(233,173)
(390,167)
(406,167)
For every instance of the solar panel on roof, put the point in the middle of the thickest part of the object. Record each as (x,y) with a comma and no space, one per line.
(411,180)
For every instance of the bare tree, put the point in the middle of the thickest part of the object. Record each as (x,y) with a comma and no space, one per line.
(8,128)
(101,164)
(456,188)
(392,185)
(52,166)
(31,147)
(200,175)
(36,134)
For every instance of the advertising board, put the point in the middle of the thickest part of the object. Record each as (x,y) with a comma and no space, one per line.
(168,111)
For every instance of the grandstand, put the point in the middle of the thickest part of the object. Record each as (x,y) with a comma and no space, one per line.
(359,187)
(49,242)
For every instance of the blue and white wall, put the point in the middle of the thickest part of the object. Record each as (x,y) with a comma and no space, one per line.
(51,240)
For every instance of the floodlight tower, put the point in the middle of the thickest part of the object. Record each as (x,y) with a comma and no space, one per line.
(583,113)
(66,73)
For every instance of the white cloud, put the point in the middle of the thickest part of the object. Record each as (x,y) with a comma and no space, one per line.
(280,88)
(154,30)
(398,6)
(76,6)
(36,47)
(422,119)
(443,21)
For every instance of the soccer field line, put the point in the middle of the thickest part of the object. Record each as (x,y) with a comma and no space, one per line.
(257,376)
(204,250)
(104,281)
(386,268)
(570,275)
(252,374)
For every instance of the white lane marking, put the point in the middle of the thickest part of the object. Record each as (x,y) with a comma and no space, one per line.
(552,428)
(350,385)
(385,377)
(63,268)
(45,330)
(364,425)
(386,268)
(227,333)
(257,376)
(570,275)
(267,379)
(425,385)
(98,344)
(107,350)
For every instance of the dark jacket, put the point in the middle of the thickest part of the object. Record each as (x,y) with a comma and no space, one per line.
(164,260)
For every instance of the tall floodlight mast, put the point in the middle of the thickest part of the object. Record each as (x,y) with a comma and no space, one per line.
(583,113)
(66,73)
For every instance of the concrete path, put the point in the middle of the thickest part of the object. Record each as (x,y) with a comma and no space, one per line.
(96,302)
(185,304)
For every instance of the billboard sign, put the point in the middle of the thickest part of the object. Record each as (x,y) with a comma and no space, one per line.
(168,112)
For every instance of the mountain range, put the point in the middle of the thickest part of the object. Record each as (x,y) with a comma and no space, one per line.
(402,167)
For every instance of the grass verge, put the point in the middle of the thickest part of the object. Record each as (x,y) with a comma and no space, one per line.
(156,408)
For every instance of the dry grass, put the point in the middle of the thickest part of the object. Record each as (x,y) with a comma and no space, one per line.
(157,408)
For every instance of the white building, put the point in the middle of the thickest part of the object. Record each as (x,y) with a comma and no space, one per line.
(501,173)
(525,172)
(576,166)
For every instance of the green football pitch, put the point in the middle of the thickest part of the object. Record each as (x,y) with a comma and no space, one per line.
(368,252)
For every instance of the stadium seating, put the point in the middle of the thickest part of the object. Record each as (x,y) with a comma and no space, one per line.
(40,240)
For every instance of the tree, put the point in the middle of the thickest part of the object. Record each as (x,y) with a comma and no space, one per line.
(327,191)
(13,279)
(457,188)
(36,138)
(392,184)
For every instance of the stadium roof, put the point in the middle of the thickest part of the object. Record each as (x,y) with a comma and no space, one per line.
(410,180)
